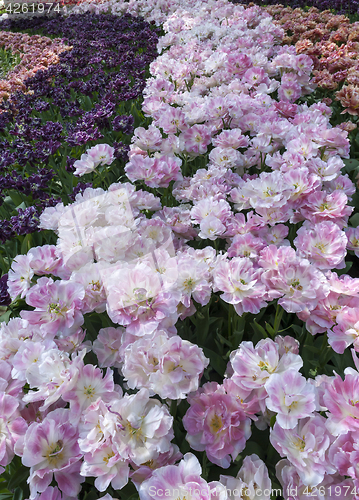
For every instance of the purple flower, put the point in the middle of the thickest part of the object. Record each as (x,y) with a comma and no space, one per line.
(5,298)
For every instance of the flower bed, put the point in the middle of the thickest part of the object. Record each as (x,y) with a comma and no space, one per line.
(35,53)
(339,6)
(66,106)
(212,288)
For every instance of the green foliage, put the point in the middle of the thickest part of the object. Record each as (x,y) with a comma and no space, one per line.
(13,485)
(8,61)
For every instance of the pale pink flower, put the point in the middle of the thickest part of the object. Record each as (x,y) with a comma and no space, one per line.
(90,385)
(12,335)
(306,447)
(144,427)
(352,233)
(286,344)
(335,140)
(289,91)
(300,284)
(303,183)
(89,277)
(240,282)
(107,465)
(169,367)
(325,170)
(73,343)
(106,347)
(97,425)
(54,374)
(230,139)
(28,357)
(344,454)
(216,423)
(341,398)
(135,299)
(254,76)
(179,220)
(12,426)
(332,487)
(168,169)
(101,154)
(252,481)
(145,471)
(254,366)
(51,450)
(323,244)
(20,276)
(193,279)
(225,157)
(270,190)
(181,481)
(8,385)
(141,168)
(147,140)
(346,332)
(245,245)
(248,398)
(342,183)
(217,208)
(320,206)
(291,397)
(171,120)
(274,235)
(158,171)
(45,260)
(84,166)
(304,146)
(195,139)
(53,493)
(211,227)
(57,305)
(323,317)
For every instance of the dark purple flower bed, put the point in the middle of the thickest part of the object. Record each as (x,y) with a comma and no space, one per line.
(90,97)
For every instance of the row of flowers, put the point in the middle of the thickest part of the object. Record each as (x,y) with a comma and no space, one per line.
(36,53)
(332,43)
(77,101)
(339,6)
(235,190)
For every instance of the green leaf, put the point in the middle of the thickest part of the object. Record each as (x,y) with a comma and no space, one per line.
(217,362)
(223,340)
(5,316)
(259,329)
(278,318)
(18,494)
(350,164)
(26,244)
(354,220)
(21,475)
(345,270)
(270,329)
(311,348)
(5,496)
(16,198)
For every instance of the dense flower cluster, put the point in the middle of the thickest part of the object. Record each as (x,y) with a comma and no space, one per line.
(339,6)
(331,41)
(90,97)
(36,52)
(265,219)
